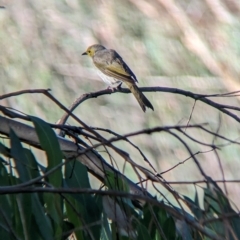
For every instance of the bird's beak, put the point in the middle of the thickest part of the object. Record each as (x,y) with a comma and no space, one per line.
(84,53)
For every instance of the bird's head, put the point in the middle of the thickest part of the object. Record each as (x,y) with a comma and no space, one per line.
(93,49)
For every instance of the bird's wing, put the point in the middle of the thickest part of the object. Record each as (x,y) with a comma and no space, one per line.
(115,67)
(118,72)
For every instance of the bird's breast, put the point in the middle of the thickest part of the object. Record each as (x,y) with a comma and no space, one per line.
(108,80)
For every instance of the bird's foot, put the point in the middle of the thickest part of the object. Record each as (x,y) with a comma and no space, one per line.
(119,87)
(111,88)
(114,88)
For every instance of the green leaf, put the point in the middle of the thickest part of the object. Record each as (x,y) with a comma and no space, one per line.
(50,145)
(4,177)
(5,205)
(89,207)
(35,233)
(106,232)
(54,209)
(76,174)
(169,228)
(235,223)
(148,218)
(183,230)
(223,202)
(17,152)
(115,182)
(24,205)
(67,229)
(17,221)
(194,206)
(197,211)
(4,150)
(4,233)
(215,202)
(114,230)
(73,210)
(162,216)
(42,220)
(142,232)
(33,170)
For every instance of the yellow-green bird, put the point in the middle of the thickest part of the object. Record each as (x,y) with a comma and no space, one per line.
(113,71)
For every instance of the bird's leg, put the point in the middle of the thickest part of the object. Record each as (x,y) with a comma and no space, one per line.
(111,88)
(118,87)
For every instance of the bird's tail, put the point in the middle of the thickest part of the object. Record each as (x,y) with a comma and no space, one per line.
(142,100)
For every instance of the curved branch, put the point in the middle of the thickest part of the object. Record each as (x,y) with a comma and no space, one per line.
(200,97)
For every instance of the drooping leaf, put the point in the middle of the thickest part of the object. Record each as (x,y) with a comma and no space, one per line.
(4,150)
(32,168)
(217,204)
(50,144)
(115,182)
(194,206)
(142,232)
(169,228)
(105,231)
(73,211)
(16,221)
(5,205)
(197,211)
(17,152)
(235,223)
(67,229)
(148,219)
(89,207)
(42,220)
(24,205)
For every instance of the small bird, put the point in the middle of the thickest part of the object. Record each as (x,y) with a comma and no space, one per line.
(113,71)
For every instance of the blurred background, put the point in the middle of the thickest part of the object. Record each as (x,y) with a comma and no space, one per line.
(192,45)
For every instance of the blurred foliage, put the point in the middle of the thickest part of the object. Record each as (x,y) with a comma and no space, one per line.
(41,44)
(43,215)
(29,210)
